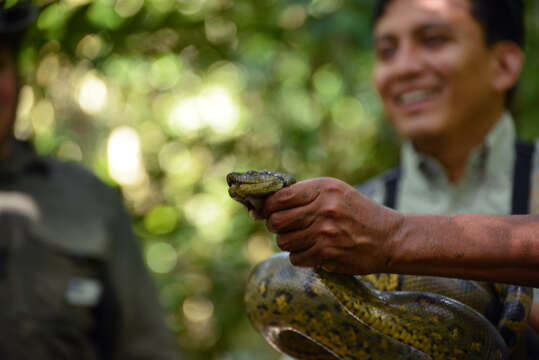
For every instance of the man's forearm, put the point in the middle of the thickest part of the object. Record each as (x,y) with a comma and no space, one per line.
(481,247)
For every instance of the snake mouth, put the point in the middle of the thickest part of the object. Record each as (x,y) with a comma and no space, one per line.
(249,177)
(236,178)
(256,177)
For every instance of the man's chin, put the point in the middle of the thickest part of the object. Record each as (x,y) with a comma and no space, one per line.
(418,128)
(421,134)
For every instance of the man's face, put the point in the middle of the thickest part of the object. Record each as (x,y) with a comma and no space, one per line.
(8,92)
(433,69)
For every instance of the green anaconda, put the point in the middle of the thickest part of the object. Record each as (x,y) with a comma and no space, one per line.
(314,314)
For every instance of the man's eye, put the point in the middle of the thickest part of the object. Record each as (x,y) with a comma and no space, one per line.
(386,52)
(434,41)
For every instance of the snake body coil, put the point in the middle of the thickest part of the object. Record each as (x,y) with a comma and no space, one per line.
(317,315)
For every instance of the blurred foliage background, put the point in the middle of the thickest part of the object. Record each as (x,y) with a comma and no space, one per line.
(163,98)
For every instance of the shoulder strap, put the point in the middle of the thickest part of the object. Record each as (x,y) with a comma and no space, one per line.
(391,183)
(522,178)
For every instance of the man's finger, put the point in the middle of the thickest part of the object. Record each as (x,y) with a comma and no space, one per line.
(255,207)
(292,220)
(296,195)
(295,241)
(307,258)
(330,268)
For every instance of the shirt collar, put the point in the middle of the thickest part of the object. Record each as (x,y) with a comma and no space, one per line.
(489,159)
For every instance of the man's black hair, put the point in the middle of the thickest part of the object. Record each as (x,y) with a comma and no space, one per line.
(500,20)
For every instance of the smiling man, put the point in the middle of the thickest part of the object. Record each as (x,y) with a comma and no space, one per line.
(446,71)
(445,78)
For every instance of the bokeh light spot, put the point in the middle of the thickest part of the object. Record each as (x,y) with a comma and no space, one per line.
(48,69)
(43,116)
(202,210)
(165,72)
(128,8)
(220,31)
(161,257)
(124,157)
(348,113)
(197,309)
(175,158)
(185,118)
(23,124)
(328,83)
(90,46)
(190,7)
(218,109)
(258,248)
(293,17)
(92,95)
(162,219)
(70,151)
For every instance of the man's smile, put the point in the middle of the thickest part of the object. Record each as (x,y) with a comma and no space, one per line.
(415,99)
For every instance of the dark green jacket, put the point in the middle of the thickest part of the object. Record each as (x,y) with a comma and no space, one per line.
(72,281)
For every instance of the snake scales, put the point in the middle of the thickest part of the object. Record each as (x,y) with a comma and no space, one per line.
(314,314)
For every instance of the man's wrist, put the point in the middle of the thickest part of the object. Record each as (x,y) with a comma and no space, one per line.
(394,239)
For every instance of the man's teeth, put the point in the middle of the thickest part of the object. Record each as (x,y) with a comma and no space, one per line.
(415,96)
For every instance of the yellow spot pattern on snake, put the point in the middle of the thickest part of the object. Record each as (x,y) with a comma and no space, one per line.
(385,282)
(281,302)
(424,341)
(262,288)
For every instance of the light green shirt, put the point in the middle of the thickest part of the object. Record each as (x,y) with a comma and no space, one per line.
(486,187)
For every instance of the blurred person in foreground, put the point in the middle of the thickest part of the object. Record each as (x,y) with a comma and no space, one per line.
(72,281)
(445,71)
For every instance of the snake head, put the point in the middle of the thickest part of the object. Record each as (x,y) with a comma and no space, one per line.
(245,187)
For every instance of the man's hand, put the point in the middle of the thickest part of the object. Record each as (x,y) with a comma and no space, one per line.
(326,222)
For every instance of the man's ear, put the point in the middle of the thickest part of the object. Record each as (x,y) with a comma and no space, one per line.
(508,65)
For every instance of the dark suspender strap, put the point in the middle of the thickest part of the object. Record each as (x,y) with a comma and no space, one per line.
(522,178)
(391,183)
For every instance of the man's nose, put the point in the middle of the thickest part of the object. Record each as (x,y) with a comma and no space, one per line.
(408,62)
